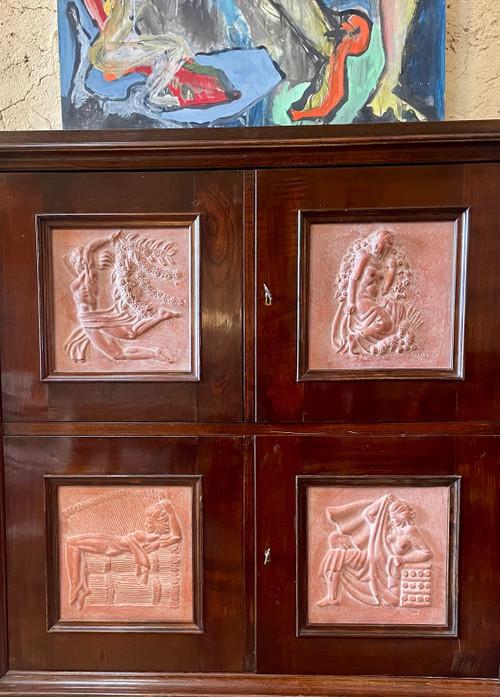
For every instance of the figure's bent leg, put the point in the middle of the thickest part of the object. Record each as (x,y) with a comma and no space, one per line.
(332,579)
(133,353)
(140,558)
(396,18)
(76,565)
(76,345)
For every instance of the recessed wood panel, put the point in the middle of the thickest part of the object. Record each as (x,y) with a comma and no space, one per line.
(184,364)
(381,294)
(124,543)
(118,298)
(377,555)
(357,506)
(308,225)
(125,556)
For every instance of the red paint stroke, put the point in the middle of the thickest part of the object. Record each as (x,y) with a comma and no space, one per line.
(96,11)
(196,85)
(354,43)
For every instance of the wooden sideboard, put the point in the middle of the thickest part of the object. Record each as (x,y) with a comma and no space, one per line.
(250,407)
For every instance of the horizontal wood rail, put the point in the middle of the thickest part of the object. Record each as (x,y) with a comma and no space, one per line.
(151,684)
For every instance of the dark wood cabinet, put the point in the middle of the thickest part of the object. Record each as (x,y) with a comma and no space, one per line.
(250,407)
(125,199)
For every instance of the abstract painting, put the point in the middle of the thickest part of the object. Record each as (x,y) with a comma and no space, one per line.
(175,63)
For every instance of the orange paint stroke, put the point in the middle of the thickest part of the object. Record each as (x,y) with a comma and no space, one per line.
(354,43)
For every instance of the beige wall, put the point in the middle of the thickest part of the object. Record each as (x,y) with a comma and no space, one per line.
(29,77)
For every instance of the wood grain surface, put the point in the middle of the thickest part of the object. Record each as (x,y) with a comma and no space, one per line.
(248,428)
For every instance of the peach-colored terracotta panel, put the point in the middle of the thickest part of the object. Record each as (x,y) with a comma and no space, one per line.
(121,300)
(381,296)
(378,555)
(125,553)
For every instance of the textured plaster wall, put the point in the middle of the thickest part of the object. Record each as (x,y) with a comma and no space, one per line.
(29,70)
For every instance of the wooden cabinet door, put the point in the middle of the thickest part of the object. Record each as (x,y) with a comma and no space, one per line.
(125,554)
(412,342)
(377,555)
(121,296)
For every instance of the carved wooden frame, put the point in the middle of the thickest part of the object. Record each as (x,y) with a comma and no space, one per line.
(306,628)
(44,226)
(308,218)
(54,622)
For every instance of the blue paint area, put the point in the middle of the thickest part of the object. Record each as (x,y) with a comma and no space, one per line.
(67,41)
(114,89)
(237,32)
(252,73)
(423,71)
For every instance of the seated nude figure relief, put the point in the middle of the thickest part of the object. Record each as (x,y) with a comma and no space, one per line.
(376,314)
(117,297)
(377,555)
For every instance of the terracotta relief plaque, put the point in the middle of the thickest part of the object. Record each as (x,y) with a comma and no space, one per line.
(119,301)
(126,553)
(382,298)
(379,555)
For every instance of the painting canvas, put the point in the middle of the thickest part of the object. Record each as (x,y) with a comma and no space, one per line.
(174,63)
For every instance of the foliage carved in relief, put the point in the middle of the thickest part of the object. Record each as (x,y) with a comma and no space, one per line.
(117,290)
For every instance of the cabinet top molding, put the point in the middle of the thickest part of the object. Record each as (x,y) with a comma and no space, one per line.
(232,148)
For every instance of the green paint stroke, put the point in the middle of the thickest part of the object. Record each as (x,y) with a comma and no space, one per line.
(283,100)
(363,73)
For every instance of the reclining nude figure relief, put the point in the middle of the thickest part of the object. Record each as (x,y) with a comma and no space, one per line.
(370,544)
(125,263)
(161,530)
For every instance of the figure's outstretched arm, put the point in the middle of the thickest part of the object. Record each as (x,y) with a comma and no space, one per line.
(101,241)
(389,278)
(353,282)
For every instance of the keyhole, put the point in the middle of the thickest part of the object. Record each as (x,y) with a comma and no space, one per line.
(268,298)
